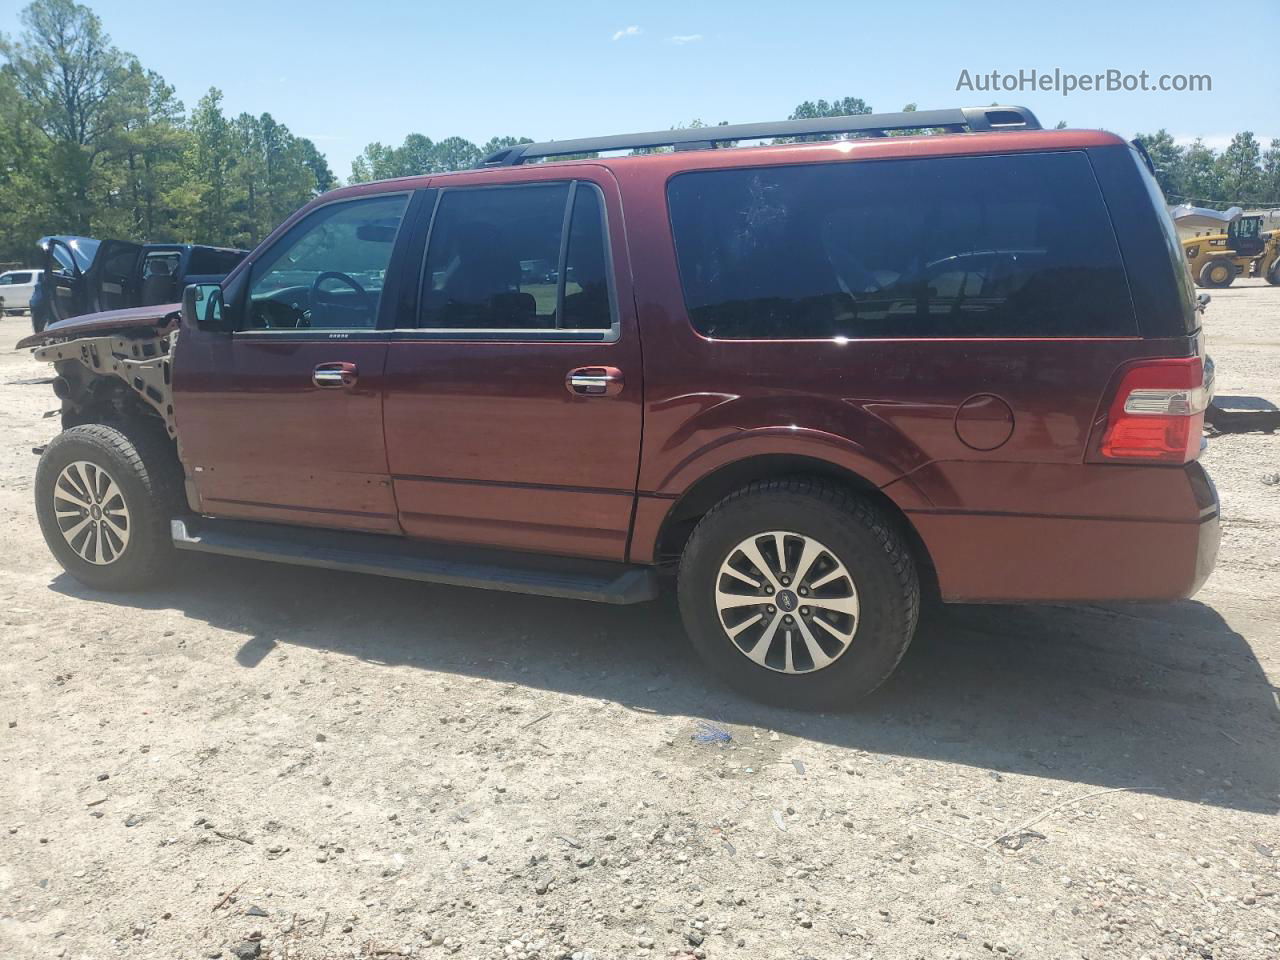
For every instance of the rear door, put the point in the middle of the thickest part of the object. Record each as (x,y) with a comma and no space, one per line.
(513,397)
(113,277)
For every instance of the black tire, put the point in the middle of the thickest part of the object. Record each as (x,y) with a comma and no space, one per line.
(1216,266)
(1273,275)
(141,462)
(855,533)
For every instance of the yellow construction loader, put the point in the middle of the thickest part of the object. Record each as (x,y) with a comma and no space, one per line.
(1243,250)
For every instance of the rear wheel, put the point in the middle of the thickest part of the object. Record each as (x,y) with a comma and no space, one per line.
(799,593)
(104,498)
(1273,275)
(1217,273)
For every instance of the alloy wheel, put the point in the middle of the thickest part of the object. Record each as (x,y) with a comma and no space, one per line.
(91,512)
(786,602)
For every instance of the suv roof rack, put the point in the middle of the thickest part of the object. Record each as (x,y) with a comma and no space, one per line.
(956,120)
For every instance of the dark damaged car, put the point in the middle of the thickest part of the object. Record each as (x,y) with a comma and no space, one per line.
(86,275)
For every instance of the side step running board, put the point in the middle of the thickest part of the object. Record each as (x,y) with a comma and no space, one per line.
(394,556)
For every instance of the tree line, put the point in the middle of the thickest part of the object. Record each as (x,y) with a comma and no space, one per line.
(1243,174)
(93,143)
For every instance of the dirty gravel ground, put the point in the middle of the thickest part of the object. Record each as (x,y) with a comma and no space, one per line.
(258,760)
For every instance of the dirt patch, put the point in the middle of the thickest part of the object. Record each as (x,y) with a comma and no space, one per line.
(264,761)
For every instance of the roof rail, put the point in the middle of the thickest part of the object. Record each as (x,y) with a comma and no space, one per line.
(957,120)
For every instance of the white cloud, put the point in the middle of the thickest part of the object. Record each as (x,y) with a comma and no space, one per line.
(683,38)
(631,31)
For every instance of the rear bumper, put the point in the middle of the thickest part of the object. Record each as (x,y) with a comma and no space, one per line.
(991,557)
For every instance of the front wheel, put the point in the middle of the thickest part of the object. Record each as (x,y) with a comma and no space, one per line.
(799,593)
(1217,273)
(1273,275)
(104,498)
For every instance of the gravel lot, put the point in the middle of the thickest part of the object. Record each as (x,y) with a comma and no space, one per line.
(262,761)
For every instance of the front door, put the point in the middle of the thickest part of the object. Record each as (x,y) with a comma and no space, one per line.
(281,418)
(64,288)
(513,398)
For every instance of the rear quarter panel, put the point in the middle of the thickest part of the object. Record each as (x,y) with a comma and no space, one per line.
(883,409)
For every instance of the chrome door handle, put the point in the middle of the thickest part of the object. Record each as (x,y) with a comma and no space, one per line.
(337,374)
(594,381)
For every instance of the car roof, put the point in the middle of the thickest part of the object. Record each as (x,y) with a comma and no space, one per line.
(665,165)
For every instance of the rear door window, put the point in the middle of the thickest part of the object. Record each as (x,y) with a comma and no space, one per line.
(527,257)
(1003,246)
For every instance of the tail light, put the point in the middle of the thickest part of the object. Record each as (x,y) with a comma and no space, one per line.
(1157,413)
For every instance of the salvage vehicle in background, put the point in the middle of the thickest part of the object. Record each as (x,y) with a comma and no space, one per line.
(747,382)
(85,275)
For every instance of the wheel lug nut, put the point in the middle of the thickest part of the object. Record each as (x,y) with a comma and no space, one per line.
(789,618)
(786,581)
(768,589)
(804,611)
(771,608)
(804,592)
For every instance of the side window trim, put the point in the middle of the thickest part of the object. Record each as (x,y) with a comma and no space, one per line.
(415,316)
(399,295)
(563,256)
(344,333)
(493,334)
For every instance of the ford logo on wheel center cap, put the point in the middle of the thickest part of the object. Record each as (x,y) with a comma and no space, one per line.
(787,601)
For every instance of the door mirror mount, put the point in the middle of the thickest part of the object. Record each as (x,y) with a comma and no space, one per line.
(203,308)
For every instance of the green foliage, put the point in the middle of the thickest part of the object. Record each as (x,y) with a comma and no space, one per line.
(93,143)
(419,155)
(1242,175)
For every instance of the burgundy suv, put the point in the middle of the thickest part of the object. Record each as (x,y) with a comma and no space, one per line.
(810,378)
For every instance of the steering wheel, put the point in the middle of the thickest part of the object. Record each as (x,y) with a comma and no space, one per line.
(317,295)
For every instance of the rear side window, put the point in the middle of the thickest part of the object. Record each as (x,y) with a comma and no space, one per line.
(207,261)
(1172,245)
(1006,246)
(20,278)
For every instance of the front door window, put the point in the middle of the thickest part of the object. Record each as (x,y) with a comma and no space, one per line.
(328,271)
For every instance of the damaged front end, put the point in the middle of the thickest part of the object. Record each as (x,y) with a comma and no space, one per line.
(112,366)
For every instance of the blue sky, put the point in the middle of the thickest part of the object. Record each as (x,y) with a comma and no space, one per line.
(345,73)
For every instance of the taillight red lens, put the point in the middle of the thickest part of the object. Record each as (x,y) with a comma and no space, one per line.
(1157,414)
